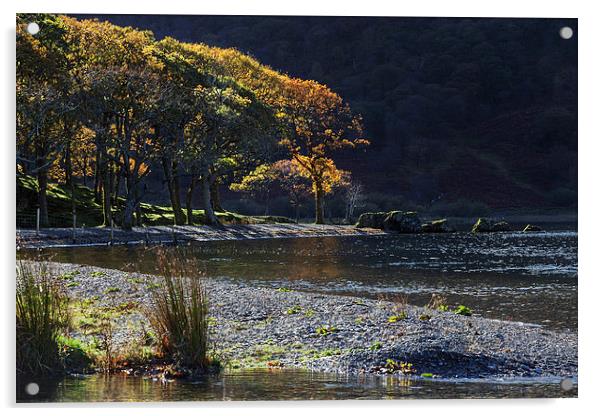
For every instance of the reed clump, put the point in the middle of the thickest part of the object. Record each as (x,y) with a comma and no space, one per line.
(178,312)
(42,317)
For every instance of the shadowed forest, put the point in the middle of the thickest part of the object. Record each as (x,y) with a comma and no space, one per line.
(464,116)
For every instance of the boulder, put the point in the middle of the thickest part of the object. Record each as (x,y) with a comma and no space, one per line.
(487,225)
(531,228)
(402,222)
(501,226)
(437,226)
(371,220)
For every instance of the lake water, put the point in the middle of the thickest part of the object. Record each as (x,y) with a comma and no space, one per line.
(267,384)
(512,276)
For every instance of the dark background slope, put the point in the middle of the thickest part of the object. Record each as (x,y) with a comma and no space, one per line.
(473,110)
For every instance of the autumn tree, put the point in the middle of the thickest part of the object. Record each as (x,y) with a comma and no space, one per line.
(183,69)
(121,88)
(259,184)
(318,123)
(296,185)
(45,100)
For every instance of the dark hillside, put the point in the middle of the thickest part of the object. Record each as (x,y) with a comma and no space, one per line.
(476,109)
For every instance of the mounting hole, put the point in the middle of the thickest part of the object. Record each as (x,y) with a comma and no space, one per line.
(566,32)
(566,384)
(33,28)
(32,389)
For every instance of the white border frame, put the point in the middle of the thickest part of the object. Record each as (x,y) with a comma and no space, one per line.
(590,71)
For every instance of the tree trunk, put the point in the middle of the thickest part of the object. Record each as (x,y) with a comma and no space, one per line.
(84,173)
(97,178)
(215,199)
(117,184)
(210,217)
(189,196)
(68,165)
(130,204)
(170,171)
(128,212)
(106,196)
(42,200)
(319,199)
(138,215)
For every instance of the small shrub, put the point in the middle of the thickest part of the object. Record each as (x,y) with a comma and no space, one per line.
(396,318)
(41,317)
(69,275)
(324,330)
(104,332)
(178,312)
(284,289)
(274,364)
(98,274)
(392,366)
(438,303)
(463,310)
(377,345)
(294,310)
(75,354)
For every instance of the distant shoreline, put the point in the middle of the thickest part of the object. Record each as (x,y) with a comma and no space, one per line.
(101,236)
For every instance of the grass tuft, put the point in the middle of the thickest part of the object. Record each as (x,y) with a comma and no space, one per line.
(41,317)
(178,312)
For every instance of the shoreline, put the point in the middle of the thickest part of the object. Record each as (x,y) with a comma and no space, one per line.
(101,236)
(255,327)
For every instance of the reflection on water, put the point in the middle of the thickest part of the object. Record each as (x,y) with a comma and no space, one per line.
(530,277)
(283,385)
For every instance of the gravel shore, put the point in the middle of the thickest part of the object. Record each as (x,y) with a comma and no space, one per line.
(66,237)
(254,327)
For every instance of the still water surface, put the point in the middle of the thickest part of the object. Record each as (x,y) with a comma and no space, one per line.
(512,276)
(284,385)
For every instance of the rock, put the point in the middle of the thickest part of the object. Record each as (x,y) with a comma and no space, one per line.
(437,226)
(501,226)
(371,220)
(487,225)
(402,222)
(531,228)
